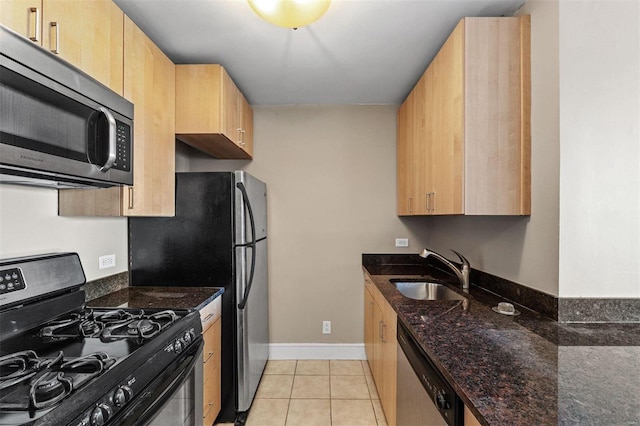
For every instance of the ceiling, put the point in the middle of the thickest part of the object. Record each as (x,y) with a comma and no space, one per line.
(359,52)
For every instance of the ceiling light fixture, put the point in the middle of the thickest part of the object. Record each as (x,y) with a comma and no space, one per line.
(290,13)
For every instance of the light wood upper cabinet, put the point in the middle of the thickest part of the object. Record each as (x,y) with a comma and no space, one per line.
(380,328)
(150,84)
(404,157)
(24,17)
(212,115)
(87,34)
(470,137)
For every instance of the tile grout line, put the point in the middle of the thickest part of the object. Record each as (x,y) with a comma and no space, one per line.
(330,399)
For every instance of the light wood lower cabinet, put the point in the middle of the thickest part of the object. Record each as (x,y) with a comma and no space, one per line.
(380,325)
(149,83)
(469,418)
(211,373)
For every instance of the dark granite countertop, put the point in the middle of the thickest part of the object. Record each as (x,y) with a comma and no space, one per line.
(159,297)
(522,370)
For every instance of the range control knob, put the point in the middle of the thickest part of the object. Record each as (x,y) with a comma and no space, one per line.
(122,395)
(187,338)
(442,400)
(100,415)
(177,346)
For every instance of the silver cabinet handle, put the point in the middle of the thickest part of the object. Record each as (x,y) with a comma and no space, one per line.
(207,318)
(131,197)
(240,134)
(410,203)
(209,355)
(112,139)
(384,337)
(431,205)
(53,42)
(34,23)
(371,304)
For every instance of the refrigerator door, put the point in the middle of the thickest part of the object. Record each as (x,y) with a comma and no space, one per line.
(256,197)
(253,322)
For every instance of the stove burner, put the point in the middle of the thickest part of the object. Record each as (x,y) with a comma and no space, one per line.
(108,325)
(48,381)
(21,366)
(49,389)
(140,327)
(15,368)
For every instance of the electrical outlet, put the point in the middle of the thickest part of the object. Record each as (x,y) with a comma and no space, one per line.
(326,327)
(402,242)
(107,261)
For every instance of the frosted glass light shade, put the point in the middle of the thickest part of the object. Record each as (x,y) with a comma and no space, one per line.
(290,13)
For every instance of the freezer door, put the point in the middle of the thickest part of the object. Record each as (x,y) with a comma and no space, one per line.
(253,322)
(256,192)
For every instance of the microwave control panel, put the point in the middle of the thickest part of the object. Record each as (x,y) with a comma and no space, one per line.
(123,147)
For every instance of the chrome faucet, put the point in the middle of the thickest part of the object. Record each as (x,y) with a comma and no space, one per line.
(462,274)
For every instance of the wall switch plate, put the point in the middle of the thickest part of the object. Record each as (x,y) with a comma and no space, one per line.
(107,261)
(402,242)
(326,327)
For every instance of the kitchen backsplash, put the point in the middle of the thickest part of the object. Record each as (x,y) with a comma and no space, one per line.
(102,286)
(588,310)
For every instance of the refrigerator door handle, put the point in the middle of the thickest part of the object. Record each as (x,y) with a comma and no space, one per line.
(251,245)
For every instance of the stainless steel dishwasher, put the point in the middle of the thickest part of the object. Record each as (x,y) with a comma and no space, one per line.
(424,398)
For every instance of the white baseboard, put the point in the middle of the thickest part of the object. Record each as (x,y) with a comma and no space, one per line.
(316,351)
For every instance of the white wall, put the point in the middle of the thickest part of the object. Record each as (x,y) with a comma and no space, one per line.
(29,224)
(600,156)
(522,249)
(330,172)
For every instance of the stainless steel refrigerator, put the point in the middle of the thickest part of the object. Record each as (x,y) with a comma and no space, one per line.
(218,238)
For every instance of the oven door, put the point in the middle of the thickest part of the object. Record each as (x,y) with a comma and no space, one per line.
(174,399)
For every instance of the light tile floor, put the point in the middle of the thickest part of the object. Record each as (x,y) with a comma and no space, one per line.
(316,393)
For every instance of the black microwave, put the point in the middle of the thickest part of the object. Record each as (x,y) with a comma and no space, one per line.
(58,126)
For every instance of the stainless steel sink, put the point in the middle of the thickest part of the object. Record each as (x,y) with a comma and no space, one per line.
(424,290)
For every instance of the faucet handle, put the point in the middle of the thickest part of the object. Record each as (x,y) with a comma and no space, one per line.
(463,259)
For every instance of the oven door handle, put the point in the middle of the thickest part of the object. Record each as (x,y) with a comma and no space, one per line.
(151,401)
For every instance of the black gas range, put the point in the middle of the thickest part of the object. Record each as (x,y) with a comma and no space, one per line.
(64,364)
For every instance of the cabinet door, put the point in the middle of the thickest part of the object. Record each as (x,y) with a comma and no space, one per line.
(405,154)
(377,367)
(448,130)
(421,151)
(89,35)
(211,373)
(247,126)
(24,17)
(150,85)
(368,326)
(389,363)
(469,418)
(231,110)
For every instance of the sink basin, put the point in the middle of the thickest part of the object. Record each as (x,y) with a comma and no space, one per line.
(424,290)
